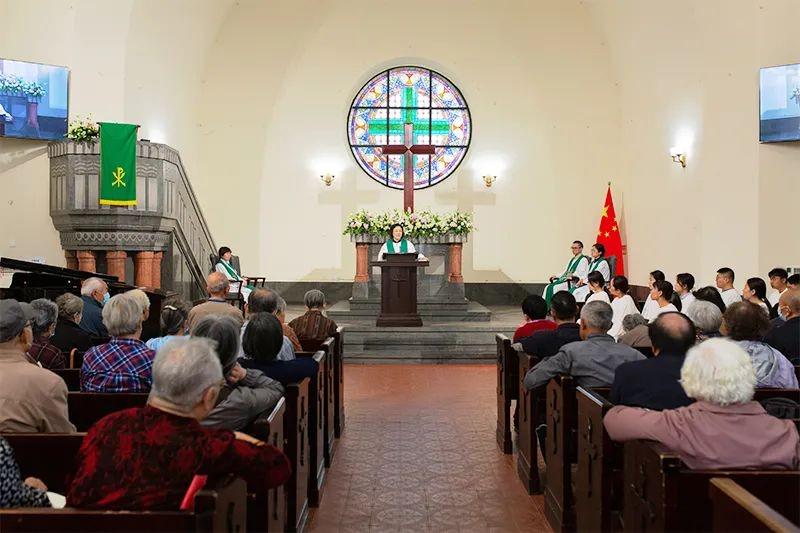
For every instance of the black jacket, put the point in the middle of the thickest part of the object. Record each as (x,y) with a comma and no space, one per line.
(652,383)
(786,339)
(92,319)
(547,343)
(69,335)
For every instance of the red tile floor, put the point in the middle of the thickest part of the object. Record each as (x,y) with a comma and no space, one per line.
(419,454)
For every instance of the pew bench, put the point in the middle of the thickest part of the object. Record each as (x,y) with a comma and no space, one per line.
(296,448)
(266,511)
(507,390)
(86,408)
(71,376)
(531,409)
(736,509)
(317,408)
(338,383)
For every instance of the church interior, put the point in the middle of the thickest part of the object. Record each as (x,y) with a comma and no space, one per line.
(302,265)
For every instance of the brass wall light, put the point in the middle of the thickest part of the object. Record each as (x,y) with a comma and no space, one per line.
(678,156)
(327,179)
(489,180)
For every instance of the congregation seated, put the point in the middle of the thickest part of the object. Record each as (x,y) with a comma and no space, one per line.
(597,292)
(174,323)
(793,281)
(69,335)
(777,280)
(661,293)
(707,319)
(591,361)
(684,283)
(747,324)
(94,293)
(755,292)
(786,337)
(266,301)
(534,313)
(140,297)
(635,332)
(710,294)
(217,286)
(725,279)
(32,399)
(225,268)
(288,331)
(124,364)
(723,428)
(247,393)
(42,352)
(546,343)
(14,491)
(262,341)
(598,263)
(146,458)
(650,305)
(654,383)
(622,304)
(313,327)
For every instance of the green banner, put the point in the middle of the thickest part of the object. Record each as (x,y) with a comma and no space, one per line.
(117,163)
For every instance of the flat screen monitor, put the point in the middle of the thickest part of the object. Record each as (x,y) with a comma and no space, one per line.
(779,95)
(34,100)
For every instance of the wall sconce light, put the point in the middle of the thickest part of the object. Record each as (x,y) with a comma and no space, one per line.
(677,156)
(327,179)
(489,180)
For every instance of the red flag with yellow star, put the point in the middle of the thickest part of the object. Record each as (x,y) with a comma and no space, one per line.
(609,235)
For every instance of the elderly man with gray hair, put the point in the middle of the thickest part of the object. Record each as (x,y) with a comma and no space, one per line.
(94,293)
(593,360)
(146,458)
(706,317)
(125,363)
(217,286)
(313,327)
(42,351)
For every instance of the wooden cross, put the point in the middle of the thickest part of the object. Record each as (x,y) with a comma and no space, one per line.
(408,150)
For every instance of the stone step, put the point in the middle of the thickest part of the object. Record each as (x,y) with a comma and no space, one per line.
(348,312)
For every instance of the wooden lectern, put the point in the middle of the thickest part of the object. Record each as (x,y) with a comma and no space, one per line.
(399,290)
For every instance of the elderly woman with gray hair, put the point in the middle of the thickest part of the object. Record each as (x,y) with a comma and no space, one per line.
(146,458)
(125,363)
(313,327)
(247,393)
(42,352)
(707,318)
(69,335)
(635,332)
(724,428)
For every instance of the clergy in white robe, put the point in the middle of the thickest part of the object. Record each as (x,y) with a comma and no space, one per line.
(684,283)
(598,264)
(622,304)
(577,267)
(237,282)
(650,308)
(662,294)
(396,243)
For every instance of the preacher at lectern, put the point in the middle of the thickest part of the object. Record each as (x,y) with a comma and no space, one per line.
(399,261)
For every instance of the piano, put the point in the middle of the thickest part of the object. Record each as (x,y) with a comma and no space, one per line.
(30,281)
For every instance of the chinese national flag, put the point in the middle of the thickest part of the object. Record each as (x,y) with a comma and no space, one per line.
(609,236)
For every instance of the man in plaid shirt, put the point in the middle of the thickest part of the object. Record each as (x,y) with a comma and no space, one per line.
(125,363)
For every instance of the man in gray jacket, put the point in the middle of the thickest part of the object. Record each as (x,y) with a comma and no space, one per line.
(591,361)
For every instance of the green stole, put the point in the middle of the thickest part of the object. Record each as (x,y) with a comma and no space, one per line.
(232,273)
(403,246)
(594,265)
(572,266)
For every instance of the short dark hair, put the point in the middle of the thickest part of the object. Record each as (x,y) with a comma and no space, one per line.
(778,273)
(563,306)
(710,294)
(263,337)
(658,275)
(665,287)
(596,277)
(579,243)
(759,287)
(621,284)
(794,279)
(685,279)
(727,272)
(672,337)
(534,306)
(262,301)
(222,251)
(391,230)
(746,321)
(600,248)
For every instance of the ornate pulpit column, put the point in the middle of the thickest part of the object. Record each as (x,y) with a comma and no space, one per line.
(454,273)
(143,269)
(72,260)
(115,263)
(158,257)
(87,260)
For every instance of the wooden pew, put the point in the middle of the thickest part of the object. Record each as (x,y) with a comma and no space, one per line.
(529,403)
(507,390)
(317,404)
(266,511)
(47,456)
(736,509)
(329,435)
(222,508)
(296,448)
(71,376)
(338,382)
(663,494)
(86,408)
(561,452)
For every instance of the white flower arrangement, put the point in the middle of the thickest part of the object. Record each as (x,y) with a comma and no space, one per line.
(423,223)
(16,86)
(83,130)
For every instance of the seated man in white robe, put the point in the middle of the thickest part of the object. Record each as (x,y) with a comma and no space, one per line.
(577,268)
(238,283)
(599,264)
(725,278)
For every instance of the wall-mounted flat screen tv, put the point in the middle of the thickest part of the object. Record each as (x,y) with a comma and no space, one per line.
(780,104)
(34,100)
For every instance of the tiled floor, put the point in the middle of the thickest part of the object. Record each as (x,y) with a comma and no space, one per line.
(419,454)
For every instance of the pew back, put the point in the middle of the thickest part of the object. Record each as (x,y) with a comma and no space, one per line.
(560,453)
(296,448)
(737,510)
(338,380)
(316,429)
(268,509)
(71,376)
(47,456)
(530,408)
(507,390)
(86,408)
(329,435)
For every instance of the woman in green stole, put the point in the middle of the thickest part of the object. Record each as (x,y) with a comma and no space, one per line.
(600,264)
(226,268)
(397,243)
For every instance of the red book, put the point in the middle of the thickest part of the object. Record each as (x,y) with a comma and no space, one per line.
(609,235)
